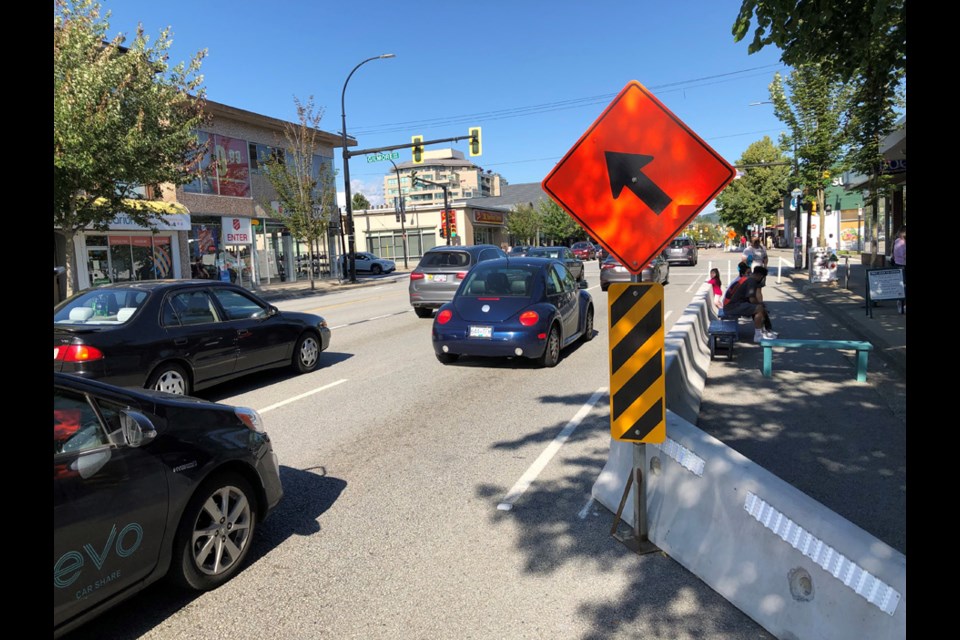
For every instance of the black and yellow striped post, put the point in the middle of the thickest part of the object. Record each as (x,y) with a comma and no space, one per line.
(637,389)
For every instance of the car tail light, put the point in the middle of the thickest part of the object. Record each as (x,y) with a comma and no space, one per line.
(444,316)
(529,318)
(77,353)
(461,275)
(250,418)
(416,275)
(607,265)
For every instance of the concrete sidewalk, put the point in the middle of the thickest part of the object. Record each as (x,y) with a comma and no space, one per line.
(811,423)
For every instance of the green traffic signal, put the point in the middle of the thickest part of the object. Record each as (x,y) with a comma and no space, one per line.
(417,149)
(475,146)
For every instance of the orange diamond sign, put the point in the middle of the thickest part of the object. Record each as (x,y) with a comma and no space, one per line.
(637,177)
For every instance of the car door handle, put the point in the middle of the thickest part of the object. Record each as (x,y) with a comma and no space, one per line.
(243,333)
(180,342)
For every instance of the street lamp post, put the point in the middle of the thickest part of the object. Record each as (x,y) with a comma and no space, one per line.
(351,241)
(401,213)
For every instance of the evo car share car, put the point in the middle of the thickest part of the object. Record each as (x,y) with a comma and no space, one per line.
(148,485)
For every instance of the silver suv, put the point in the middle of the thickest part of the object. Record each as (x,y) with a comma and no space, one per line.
(683,250)
(440,272)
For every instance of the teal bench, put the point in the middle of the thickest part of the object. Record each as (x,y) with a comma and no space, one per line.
(862,349)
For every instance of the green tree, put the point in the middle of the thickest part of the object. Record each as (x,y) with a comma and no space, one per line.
(556,224)
(359,202)
(523,223)
(754,197)
(305,188)
(848,38)
(861,43)
(815,112)
(123,118)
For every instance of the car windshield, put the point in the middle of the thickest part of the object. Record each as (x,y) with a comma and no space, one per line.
(441,259)
(679,242)
(100,306)
(499,281)
(544,253)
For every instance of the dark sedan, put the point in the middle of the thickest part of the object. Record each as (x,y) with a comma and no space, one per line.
(564,255)
(148,485)
(180,336)
(514,307)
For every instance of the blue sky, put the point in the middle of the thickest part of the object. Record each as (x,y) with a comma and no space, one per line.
(533,75)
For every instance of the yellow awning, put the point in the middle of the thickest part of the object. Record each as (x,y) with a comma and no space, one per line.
(157,207)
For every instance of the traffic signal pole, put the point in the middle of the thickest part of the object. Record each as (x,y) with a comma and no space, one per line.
(446,210)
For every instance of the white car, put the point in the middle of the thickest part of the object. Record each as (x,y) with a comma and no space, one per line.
(368,263)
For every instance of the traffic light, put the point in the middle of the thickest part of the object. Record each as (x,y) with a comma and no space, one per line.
(417,149)
(443,227)
(475,146)
(453,224)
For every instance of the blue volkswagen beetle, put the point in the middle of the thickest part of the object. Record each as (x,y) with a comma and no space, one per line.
(514,307)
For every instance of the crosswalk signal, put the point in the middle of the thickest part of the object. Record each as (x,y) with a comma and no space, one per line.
(417,149)
(475,146)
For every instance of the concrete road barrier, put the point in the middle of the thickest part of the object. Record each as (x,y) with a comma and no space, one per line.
(794,566)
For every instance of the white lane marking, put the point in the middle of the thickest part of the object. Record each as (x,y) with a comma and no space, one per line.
(541,462)
(301,396)
(665,316)
(586,509)
(386,315)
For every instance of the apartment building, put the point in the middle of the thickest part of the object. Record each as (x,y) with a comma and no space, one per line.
(448,167)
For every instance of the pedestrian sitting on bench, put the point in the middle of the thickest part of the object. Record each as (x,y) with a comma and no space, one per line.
(744,298)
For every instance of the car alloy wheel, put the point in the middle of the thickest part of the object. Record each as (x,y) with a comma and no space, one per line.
(551,352)
(170,378)
(215,533)
(306,354)
(376,269)
(588,326)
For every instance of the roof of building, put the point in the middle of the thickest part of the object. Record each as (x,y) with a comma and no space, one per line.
(510,196)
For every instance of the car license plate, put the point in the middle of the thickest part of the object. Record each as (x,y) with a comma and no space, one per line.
(481,332)
(440,277)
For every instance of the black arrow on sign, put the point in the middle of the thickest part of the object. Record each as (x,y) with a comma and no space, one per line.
(624,171)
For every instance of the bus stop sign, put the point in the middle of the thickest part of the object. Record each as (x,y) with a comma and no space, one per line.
(637,177)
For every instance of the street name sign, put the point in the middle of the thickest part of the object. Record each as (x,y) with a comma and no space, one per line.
(637,177)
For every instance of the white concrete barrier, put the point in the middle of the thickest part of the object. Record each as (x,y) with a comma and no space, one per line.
(794,566)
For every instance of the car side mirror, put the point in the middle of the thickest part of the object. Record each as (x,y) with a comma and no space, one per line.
(136,428)
(583,283)
(272,311)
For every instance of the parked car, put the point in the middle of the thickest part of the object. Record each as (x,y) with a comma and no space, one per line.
(682,250)
(584,250)
(148,485)
(612,270)
(703,244)
(180,336)
(526,307)
(564,255)
(518,251)
(367,262)
(441,270)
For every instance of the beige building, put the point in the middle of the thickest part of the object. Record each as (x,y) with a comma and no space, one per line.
(464,180)
(220,226)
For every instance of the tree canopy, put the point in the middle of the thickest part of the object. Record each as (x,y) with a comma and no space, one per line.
(359,202)
(556,224)
(757,194)
(123,119)
(523,223)
(846,37)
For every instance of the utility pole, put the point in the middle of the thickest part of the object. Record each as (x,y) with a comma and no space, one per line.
(401,213)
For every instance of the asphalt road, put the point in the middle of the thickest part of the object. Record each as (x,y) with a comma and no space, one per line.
(397,471)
